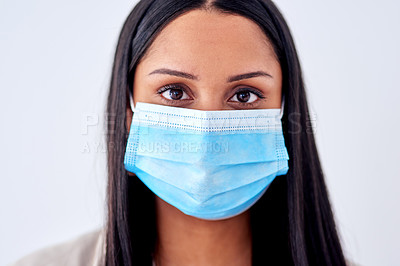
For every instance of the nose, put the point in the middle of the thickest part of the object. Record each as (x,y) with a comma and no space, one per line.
(210,107)
(210,100)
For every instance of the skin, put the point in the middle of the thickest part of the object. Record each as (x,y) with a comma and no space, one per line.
(211,47)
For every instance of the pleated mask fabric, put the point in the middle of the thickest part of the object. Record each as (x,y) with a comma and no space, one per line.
(209,164)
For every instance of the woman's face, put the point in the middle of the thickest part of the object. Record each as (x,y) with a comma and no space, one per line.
(210,61)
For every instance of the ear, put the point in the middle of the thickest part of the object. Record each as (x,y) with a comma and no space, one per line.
(129,115)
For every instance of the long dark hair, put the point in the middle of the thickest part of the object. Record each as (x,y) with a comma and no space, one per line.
(292,224)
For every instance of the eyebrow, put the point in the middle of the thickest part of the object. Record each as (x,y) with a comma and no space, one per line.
(248,76)
(177,73)
(181,74)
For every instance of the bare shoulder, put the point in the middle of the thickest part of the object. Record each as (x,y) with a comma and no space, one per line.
(85,249)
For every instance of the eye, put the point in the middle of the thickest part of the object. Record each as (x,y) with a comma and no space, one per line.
(246,95)
(173,92)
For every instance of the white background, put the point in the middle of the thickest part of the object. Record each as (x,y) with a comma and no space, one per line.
(55,64)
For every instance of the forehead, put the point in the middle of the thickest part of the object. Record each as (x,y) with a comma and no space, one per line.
(202,38)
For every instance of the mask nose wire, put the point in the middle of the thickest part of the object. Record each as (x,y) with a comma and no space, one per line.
(131,101)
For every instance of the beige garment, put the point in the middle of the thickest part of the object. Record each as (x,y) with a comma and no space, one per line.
(86,250)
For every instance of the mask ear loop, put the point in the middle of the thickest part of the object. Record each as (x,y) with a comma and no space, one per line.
(131,101)
(282,107)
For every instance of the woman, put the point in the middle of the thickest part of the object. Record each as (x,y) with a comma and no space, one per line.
(204,57)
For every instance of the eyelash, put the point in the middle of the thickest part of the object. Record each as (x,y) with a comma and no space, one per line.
(177,86)
(169,87)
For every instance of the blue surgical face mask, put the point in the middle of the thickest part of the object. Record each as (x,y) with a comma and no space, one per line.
(209,164)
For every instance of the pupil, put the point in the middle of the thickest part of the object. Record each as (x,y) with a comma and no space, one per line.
(243,96)
(175,94)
